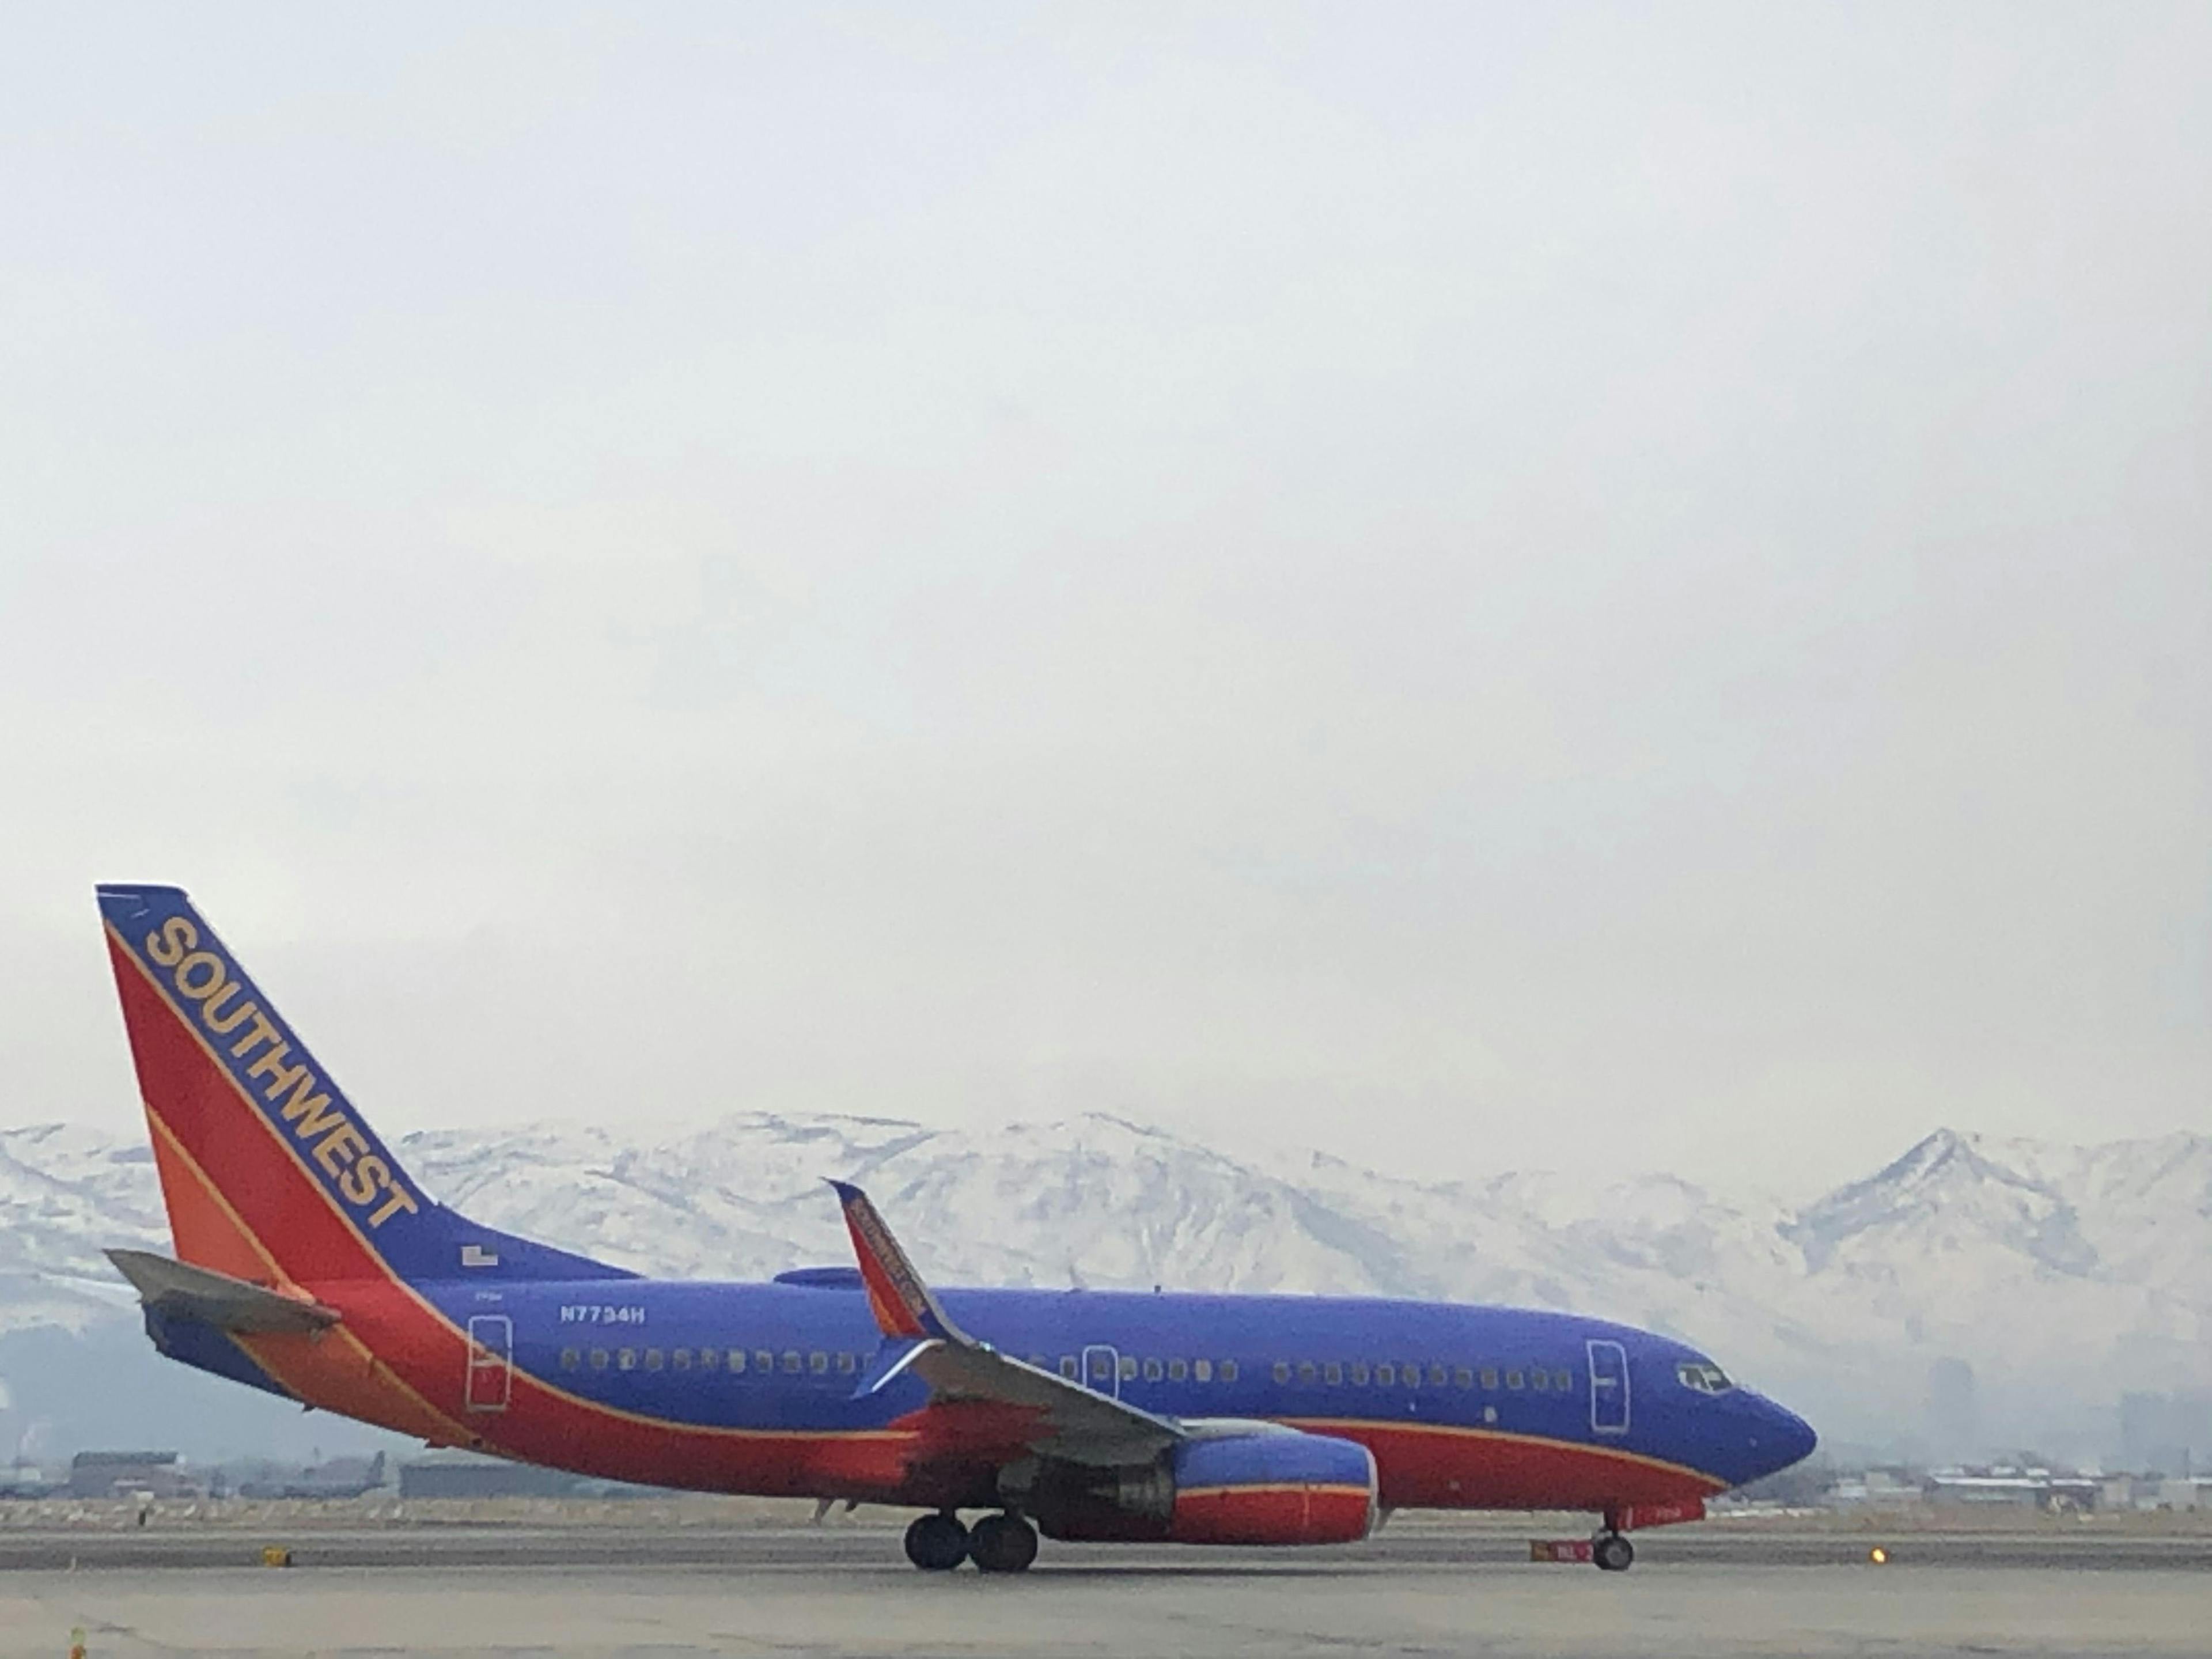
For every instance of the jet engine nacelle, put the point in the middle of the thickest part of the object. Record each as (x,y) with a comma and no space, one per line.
(1283,1487)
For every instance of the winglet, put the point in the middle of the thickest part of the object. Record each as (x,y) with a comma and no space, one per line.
(903,1304)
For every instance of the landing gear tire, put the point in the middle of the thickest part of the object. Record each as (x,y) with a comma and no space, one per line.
(937,1543)
(1002,1543)
(1612,1552)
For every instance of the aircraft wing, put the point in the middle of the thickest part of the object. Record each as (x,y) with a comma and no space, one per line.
(217,1299)
(1049,1413)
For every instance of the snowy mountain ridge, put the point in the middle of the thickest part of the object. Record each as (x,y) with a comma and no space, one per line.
(2087,1269)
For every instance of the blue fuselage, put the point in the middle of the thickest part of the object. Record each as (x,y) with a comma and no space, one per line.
(1463,1405)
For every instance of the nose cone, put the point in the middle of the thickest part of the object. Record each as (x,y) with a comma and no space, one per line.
(1779,1437)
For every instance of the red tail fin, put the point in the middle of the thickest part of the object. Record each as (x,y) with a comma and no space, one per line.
(269,1172)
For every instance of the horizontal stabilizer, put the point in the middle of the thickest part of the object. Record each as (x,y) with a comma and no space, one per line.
(217,1299)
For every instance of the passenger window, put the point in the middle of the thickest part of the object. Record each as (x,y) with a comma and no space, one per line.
(793,1362)
(1438,1376)
(1128,1369)
(818,1363)
(1512,1379)
(1067,1366)
(1309,1373)
(1564,1382)
(763,1360)
(598,1359)
(1489,1377)
(653,1359)
(681,1359)
(1203,1371)
(1386,1376)
(1228,1370)
(1410,1375)
(1153,1370)
(709,1359)
(1359,1373)
(626,1359)
(1539,1380)
(1178,1370)
(570,1358)
(1332,1373)
(846,1365)
(1463,1376)
(1282,1370)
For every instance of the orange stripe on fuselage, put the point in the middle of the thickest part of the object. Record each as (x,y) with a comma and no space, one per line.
(1446,1465)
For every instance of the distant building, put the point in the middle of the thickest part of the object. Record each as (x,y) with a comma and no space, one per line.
(24,1480)
(2024,1489)
(487,1477)
(342,1477)
(118,1473)
(1879,1486)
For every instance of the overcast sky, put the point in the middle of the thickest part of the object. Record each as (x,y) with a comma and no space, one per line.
(1480,587)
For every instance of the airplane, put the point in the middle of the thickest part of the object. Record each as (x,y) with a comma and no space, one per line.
(342,1477)
(310,1264)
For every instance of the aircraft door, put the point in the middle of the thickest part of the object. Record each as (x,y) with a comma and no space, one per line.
(491,1362)
(1102,1368)
(1609,1375)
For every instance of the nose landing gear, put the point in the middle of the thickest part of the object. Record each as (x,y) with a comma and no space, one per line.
(1611,1552)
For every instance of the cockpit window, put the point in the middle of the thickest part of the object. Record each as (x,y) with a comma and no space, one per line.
(1704,1376)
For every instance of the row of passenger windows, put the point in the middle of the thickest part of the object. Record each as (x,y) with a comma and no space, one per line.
(1414,1373)
(1386,1374)
(1358,1373)
(1174,1371)
(793,1362)
(733,1360)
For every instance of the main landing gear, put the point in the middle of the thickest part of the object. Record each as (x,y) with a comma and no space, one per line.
(1002,1543)
(937,1543)
(1612,1552)
(996,1543)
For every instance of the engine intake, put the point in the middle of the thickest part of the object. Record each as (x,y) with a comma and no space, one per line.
(1275,1488)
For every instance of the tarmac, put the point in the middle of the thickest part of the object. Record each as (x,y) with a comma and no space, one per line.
(581,1594)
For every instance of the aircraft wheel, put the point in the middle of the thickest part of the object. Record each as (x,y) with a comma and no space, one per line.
(1613,1552)
(937,1543)
(1002,1543)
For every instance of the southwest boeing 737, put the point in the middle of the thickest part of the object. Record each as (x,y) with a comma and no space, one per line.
(308,1263)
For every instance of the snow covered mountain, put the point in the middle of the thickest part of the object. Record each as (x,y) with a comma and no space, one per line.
(65,1193)
(2063,1275)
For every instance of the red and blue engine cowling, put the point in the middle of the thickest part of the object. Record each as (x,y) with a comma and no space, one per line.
(1265,1488)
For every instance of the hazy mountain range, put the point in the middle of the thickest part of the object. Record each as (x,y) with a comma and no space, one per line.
(2065,1276)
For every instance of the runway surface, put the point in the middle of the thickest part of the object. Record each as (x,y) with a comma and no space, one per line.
(1453,1544)
(556,1592)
